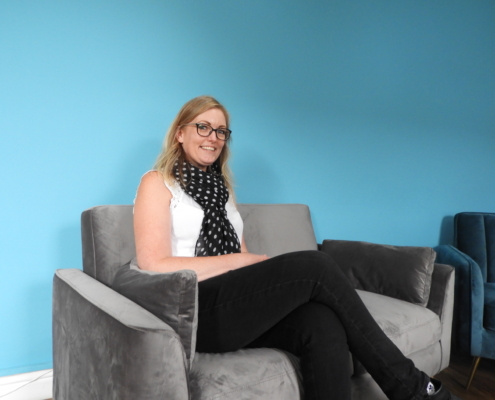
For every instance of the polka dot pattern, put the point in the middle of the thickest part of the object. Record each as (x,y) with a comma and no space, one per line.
(217,235)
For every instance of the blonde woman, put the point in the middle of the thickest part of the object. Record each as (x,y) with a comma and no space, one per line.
(185,218)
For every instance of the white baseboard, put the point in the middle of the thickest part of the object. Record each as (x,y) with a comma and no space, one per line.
(35,385)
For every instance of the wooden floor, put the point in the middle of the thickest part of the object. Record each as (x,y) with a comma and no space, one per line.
(456,375)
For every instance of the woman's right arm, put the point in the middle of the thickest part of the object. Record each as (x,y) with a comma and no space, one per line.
(153,230)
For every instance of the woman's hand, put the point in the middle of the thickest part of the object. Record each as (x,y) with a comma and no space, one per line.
(250,258)
(208,267)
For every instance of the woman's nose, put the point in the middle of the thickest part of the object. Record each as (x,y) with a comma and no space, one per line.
(212,137)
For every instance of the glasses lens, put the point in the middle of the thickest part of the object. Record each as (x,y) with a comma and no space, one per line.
(203,129)
(222,134)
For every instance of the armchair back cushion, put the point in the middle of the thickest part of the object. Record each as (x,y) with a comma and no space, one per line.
(475,236)
(272,229)
(107,240)
(275,229)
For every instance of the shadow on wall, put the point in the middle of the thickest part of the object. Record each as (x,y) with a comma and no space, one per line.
(447,230)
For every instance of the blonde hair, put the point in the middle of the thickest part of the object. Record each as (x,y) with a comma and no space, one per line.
(172,151)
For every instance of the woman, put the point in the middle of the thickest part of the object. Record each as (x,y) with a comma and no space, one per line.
(185,218)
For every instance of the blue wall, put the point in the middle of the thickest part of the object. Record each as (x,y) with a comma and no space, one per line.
(379,115)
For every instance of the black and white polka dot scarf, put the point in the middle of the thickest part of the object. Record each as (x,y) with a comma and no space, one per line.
(217,235)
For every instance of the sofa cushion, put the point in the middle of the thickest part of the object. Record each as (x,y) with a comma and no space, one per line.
(245,374)
(401,272)
(409,326)
(172,297)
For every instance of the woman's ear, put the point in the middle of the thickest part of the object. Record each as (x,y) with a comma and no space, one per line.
(180,136)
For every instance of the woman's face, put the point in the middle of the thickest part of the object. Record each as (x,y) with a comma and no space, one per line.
(202,151)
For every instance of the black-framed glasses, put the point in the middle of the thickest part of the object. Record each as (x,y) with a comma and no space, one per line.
(205,130)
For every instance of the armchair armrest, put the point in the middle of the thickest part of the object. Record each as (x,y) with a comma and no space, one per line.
(107,347)
(441,302)
(442,290)
(469,294)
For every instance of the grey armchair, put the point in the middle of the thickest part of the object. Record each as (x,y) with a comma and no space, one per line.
(108,347)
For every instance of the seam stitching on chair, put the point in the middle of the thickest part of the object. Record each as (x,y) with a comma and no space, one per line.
(410,329)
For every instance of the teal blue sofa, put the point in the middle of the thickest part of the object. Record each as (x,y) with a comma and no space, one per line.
(473,258)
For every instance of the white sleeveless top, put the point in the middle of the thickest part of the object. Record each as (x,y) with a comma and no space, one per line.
(187,216)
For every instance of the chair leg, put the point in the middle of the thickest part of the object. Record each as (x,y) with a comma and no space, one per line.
(474,367)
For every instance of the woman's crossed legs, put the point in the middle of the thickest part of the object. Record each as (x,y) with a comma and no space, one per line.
(303,303)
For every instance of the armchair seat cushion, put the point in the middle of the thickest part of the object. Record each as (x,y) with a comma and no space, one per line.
(254,373)
(489,311)
(409,326)
(245,374)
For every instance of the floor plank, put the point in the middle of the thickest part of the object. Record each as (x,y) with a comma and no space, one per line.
(456,375)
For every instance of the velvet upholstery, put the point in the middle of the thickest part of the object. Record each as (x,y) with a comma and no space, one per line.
(401,272)
(245,374)
(409,326)
(441,302)
(474,235)
(473,258)
(489,301)
(94,325)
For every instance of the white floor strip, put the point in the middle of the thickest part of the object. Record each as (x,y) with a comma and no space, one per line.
(35,385)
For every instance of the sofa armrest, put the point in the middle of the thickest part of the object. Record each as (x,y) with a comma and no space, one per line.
(107,347)
(441,302)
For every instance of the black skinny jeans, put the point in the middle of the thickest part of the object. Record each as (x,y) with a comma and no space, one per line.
(302,302)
